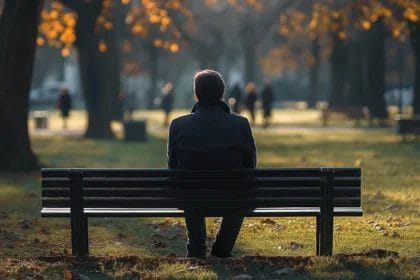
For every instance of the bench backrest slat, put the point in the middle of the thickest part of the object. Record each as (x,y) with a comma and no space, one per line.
(144,172)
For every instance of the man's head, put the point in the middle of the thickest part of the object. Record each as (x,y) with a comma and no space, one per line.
(208,85)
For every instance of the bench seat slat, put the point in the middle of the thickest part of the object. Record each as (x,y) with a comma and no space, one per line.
(154,182)
(175,212)
(210,193)
(204,202)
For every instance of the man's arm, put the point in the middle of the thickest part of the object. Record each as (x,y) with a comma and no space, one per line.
(171,147)
(250,156)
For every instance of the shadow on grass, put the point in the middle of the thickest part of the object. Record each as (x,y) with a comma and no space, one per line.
(131,267)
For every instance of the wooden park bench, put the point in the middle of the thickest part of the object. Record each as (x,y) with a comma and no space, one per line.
(356,113)
(322,193)
(408,126)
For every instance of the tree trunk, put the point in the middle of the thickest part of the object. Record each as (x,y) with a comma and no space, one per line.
(415,43)
(338,72)
(376,70)
(96,95)
(154,72)
(314,73)
(18,31)
(250,63)
(110,75)
(356,61)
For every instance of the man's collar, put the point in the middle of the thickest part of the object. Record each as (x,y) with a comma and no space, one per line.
(211,106)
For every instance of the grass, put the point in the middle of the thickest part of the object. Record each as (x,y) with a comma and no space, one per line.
(391,201)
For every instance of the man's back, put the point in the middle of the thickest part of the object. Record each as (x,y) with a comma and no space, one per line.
(211,138)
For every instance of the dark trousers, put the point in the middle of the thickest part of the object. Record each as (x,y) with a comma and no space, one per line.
(225,239)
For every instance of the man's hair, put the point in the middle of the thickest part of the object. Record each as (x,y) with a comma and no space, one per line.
(208,85)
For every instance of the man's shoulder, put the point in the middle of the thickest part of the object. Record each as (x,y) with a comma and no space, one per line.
(181,119)
(239,119)
(230,116)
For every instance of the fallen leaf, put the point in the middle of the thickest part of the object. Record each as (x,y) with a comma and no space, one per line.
(158,244)
(26,224)
(378,227)
(74,275)
(384,232)
(393,207)
(268,221)
(379,195)
(68,275)
(190,268)
(395,234)
(295,245)
(279,227)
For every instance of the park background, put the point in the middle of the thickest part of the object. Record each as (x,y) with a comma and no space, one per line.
(358,54)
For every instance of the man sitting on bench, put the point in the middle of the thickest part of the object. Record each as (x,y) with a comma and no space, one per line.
(210,138)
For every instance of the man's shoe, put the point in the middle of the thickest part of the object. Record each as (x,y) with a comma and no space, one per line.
(196,255)
(217,254)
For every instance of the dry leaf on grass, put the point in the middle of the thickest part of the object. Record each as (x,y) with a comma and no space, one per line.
(158,244)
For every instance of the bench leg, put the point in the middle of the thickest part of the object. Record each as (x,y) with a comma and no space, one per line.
(79,236)
(317,234)
(325,235)
(79,221)
(327,214)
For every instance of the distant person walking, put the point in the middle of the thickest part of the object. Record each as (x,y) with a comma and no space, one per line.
(251,99)
(64,105)
(267,98)
(234,98)
(167,101)
(129,104)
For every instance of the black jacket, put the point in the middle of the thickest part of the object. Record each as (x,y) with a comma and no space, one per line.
(211,138)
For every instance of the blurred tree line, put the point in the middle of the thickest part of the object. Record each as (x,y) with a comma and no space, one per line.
(358,39)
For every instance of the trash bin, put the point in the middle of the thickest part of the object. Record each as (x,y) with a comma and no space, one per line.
(135,130)
(40,119)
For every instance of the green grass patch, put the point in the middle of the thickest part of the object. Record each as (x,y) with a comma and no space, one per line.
(390,197)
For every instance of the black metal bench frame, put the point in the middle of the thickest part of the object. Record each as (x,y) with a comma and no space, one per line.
(323,206)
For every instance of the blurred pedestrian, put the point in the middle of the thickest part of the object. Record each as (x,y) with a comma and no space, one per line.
(64,105)
(267,98)
(251,99)
(234,98)
(130,104)
(167,101)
